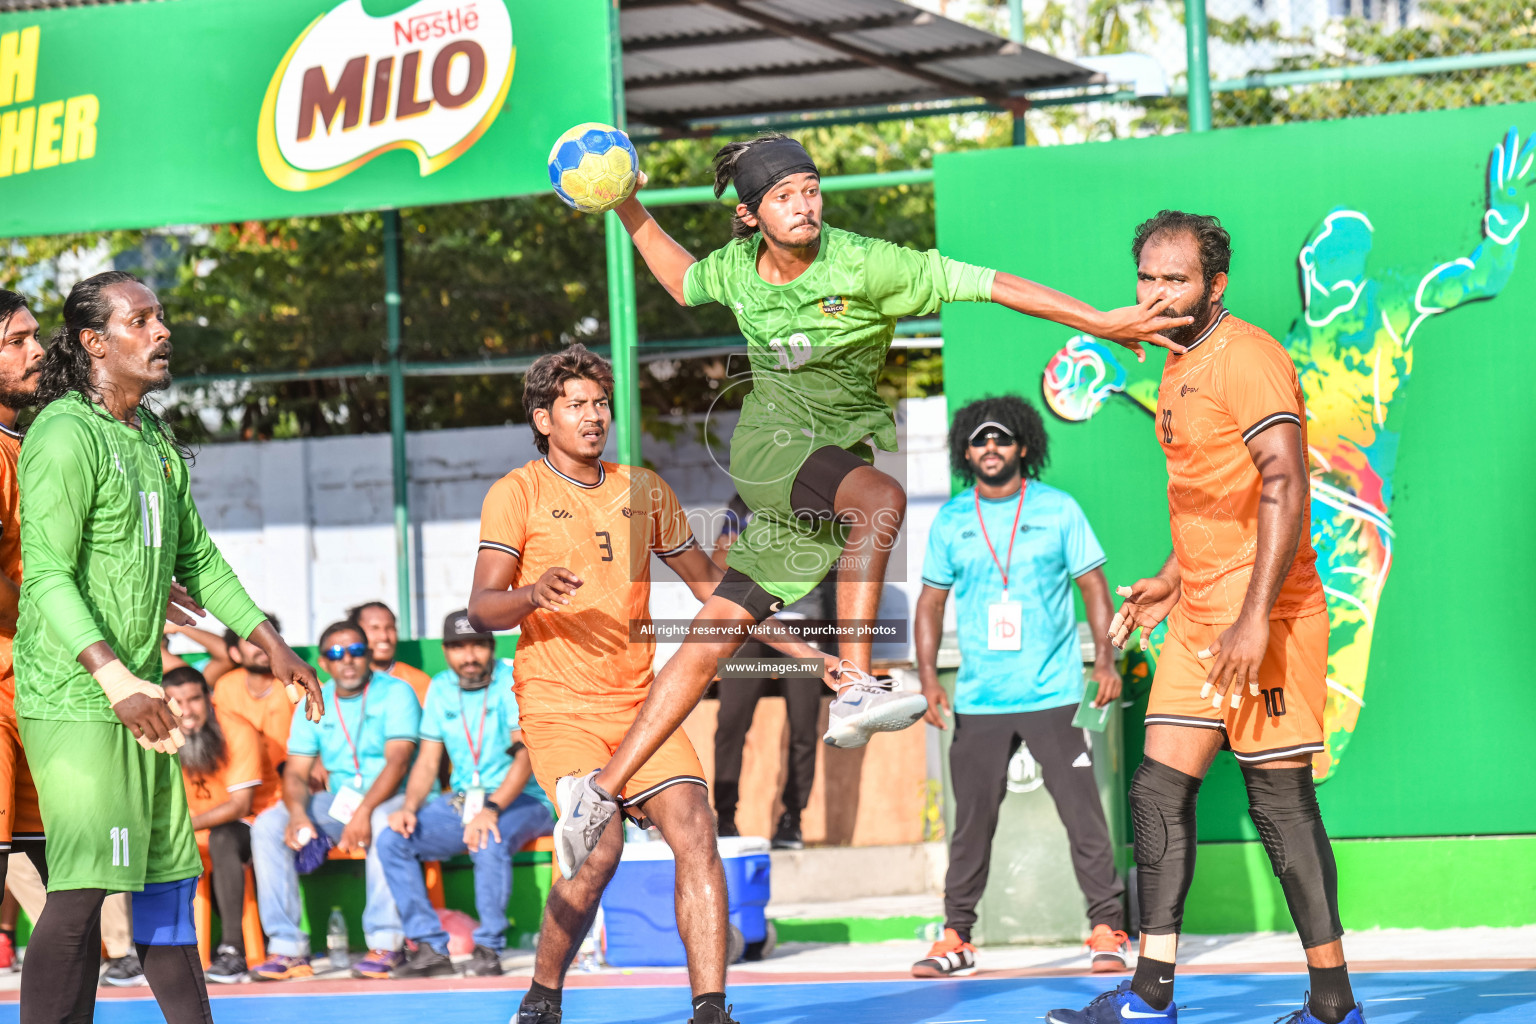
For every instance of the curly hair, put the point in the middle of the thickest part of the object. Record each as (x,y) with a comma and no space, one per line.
(1213,241)
(548,375)
(1023,422)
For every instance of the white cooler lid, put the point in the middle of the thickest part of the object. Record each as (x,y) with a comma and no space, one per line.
(730,846)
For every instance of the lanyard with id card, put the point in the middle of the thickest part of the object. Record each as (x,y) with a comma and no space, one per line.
(350,797)
(474,796)
(1005,618)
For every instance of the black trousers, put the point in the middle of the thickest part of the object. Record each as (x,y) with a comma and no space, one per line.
(229,851)
(978,768)
(738,701)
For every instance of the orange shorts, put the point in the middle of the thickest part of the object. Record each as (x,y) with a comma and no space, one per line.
(561,745)
(19,816)
(1284,721)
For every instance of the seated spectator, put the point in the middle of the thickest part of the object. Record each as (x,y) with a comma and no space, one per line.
(365,739)
(228,782)
(382,634)
(489,811)
(242,682)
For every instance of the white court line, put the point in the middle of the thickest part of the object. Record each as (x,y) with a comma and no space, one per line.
(1502,995)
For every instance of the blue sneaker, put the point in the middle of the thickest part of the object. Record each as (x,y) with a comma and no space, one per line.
(1304,1015)
(1116,1006)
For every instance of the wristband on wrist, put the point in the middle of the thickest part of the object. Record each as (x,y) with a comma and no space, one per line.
(492,806)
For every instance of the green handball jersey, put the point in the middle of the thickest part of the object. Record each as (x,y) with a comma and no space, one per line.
(816,347)
(107,519)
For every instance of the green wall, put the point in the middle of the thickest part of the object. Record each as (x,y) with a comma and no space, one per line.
(1440,747)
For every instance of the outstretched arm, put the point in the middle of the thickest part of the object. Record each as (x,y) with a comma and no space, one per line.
(1131,326)
(668,260)
(1483,274)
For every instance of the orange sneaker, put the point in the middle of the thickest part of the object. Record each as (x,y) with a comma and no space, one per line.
(1107,948)
(949,958)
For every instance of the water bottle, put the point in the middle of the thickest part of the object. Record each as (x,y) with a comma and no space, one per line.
(336,940)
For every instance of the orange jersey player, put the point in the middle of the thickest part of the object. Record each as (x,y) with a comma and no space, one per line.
(21,355)
(565,549)
(1245,662)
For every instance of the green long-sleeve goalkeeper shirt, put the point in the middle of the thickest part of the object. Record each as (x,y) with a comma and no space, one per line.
(107,520)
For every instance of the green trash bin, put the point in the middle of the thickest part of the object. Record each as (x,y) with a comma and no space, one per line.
(1032,893)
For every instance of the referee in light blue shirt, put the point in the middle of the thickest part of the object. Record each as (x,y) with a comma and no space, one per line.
(1009,548)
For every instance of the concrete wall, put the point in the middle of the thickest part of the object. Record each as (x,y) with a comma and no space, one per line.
(308,524)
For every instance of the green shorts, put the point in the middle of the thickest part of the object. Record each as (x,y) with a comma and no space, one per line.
(785,555)
(115,814)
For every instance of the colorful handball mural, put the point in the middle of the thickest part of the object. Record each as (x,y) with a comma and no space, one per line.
(1352,342)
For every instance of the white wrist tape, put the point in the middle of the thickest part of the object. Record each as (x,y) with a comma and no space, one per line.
(119,684)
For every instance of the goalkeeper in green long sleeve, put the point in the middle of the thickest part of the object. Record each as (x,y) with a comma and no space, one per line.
(107,519)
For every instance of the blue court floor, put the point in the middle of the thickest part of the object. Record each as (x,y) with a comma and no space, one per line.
(1484,997)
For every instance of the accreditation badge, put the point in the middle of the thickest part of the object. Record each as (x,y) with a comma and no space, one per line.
(1005,625)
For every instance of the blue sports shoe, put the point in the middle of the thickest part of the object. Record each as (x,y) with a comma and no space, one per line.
(1116,1006)
(1304,1015)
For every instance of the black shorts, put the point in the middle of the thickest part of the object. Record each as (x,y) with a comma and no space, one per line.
(814,494)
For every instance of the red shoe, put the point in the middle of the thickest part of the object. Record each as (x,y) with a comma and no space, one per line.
(949,958)
(1107,948)
(7,952)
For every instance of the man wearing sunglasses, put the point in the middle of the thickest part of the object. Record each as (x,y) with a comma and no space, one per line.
(365,740)
(488,811)
(1009,548)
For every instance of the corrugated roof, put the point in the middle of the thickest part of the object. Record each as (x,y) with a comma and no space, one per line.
(687,62)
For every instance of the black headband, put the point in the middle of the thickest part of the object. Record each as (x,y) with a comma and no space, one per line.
(765,164)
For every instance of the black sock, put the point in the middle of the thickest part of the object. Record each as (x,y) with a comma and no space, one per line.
(1331,998)
(964,933)
(539,993)
(1153,981)
(715,1000)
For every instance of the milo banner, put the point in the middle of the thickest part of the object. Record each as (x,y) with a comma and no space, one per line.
(193,111)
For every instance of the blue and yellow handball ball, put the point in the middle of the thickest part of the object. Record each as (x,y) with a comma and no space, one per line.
(593,167)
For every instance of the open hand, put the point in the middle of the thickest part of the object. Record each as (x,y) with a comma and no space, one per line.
(181,609)
(553,590)
(1141,324)
(1147,603)
(357,833)
(299,678)
(403,822)
(1509,168)
(480,829)
(1237,652)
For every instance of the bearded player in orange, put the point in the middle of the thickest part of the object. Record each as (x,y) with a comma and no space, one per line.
(1246,659)
(21,356)
(565,548)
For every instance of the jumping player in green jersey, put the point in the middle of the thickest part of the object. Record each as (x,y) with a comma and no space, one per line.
(107,519)
(818,307)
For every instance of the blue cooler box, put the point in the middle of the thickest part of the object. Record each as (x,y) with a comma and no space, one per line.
(639,921)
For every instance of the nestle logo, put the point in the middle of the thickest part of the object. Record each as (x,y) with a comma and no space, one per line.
(418,28)
(560,513)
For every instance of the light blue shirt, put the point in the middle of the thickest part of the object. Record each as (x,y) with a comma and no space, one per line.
(451,710)
(386,710)
(1054,546)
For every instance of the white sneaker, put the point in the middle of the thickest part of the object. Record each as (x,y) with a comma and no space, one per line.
(585,812)
(866,705)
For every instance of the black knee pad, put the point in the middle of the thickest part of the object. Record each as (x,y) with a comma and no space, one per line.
(1283,805)
(749,595)
(1163,816)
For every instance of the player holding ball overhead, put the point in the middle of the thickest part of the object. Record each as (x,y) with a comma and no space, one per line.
(818,306)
